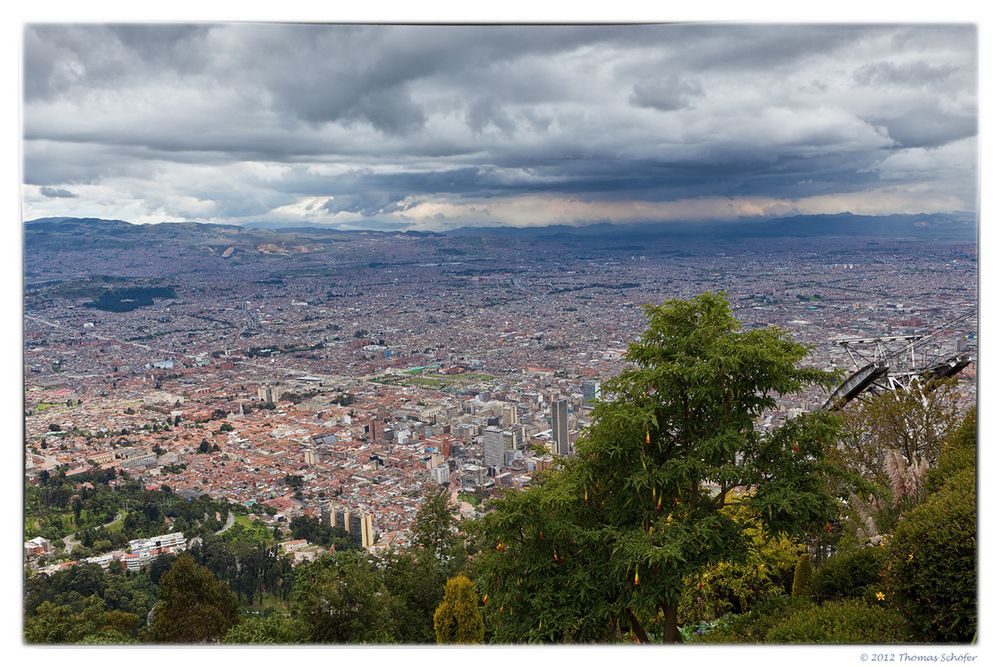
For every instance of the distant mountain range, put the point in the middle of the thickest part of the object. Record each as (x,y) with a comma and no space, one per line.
(957,226)
(91,232)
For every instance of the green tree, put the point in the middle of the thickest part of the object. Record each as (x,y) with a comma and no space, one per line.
(957,454)
(607,540)
(735,587)
(71,623)
(457,619)
(914,420)
(932,564)
(194,606)
(802,584)
(434,528)
(273,629)
(416,576)
(890,444)
(343,600)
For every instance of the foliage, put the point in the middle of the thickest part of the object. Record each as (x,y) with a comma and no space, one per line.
(888,442)
(270,629)
(841,622)
(251,568)
(194,606)
(315,531)
(734,587)
(71,623)
(931,569)
(130,592)
(914,421)
(49,507)
(108,637)
(417,576)
(434,528)
(605,543)
(802,583)
(343,600)
(752,627)
(848,574)
(457,619)
(958,453)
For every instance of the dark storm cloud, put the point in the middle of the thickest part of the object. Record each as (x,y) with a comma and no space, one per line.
(234,121)
(61,59)
(57,192)
(930,126)
(666,94)
(487,111)
(908,74)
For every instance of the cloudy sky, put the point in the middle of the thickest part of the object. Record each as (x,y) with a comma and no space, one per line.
(436,127)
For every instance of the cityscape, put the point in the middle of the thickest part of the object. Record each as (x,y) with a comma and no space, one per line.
(299,388)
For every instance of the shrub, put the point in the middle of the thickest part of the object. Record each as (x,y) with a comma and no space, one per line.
(457,619)
(851,574)
(273,629)
(802,584)
(735,587)
(957,453)
(842,622)
(931,568)
(753,626)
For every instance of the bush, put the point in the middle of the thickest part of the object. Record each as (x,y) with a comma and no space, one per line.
(931,568)
(851,574)
(272,629)
(736,587)
(957,454)
(457,620)
(842,622)
(802,584)
(753,626)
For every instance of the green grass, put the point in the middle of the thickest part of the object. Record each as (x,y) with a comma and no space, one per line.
(470,498)
(434,380)
(246,528)
(42,407)
(118,525)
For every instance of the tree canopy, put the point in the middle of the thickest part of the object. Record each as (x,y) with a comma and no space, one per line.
(457,620)
(194,606)
(601,546)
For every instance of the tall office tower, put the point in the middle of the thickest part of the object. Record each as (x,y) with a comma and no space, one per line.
(367,531)
(341,517)
(510,414)
(509,442)
(518,431)
(591,391)
(493,447)
(310,457)
(361,529)
(560,426)
(265,393)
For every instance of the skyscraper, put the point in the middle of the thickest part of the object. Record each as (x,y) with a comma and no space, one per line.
(560,426)
(493,447)
(591,391)
(510,416)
